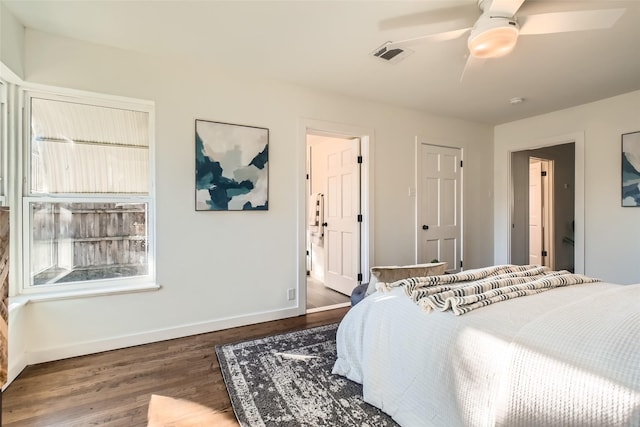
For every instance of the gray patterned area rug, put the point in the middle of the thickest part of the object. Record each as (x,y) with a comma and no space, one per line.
(286,380)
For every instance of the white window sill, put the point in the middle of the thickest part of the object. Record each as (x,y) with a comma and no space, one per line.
(20,300)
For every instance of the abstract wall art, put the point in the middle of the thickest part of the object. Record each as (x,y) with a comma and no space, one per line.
(232,167)
(631,169)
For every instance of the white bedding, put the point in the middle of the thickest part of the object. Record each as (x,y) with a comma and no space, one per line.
(569,356)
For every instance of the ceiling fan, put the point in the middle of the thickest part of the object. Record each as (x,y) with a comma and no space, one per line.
(497,29)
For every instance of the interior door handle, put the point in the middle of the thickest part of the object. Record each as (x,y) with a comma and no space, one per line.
(425,227)
(324,224)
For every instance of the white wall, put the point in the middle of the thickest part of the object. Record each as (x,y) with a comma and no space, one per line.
(222,269)
(11,41)
(611,232)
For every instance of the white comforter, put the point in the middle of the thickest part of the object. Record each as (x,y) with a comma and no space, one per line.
(569,356)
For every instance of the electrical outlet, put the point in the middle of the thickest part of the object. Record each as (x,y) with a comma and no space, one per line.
(291,294)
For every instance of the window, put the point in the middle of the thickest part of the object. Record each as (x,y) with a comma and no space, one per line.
(87,205)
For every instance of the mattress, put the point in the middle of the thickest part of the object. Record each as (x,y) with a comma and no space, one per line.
(569,356)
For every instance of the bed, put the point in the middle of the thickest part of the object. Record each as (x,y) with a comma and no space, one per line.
(566,356)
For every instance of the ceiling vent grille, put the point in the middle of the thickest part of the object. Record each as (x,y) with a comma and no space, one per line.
(391,54)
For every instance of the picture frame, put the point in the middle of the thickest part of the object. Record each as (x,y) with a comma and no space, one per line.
(232,167)
(631,169)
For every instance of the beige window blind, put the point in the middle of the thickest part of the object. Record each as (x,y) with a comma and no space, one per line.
(80,148)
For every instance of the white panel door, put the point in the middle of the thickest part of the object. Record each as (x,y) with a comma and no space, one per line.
(535,213)
(342,206)
(439,205)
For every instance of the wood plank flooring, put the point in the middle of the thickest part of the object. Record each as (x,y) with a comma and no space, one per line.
(115,388)
(318,295)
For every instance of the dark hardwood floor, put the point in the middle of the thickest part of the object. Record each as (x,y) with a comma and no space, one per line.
(115,388)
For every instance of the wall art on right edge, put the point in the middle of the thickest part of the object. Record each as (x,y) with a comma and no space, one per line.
(631,169)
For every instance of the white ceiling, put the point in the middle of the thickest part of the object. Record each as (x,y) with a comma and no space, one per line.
(327,45)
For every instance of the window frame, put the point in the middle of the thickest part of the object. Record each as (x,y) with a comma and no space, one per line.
(4,140)
(98,286)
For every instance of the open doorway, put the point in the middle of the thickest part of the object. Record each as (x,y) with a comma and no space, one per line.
(543,222)
(332,226)
(360,211)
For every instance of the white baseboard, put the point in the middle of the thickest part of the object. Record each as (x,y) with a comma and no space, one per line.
(89,347)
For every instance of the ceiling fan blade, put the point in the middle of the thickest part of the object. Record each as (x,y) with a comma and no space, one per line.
(504,8)
(472,63)
(439,37)
(563,22)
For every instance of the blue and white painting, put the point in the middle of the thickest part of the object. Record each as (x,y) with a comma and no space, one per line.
(232,167)
(631,169)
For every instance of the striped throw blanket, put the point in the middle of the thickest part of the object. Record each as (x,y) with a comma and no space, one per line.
(466,291)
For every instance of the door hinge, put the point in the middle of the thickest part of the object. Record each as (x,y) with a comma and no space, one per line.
(359,217)
(359,159)
(460,263)
(544,253)
(359,277)
(543,173)
(460,163)
(307,176)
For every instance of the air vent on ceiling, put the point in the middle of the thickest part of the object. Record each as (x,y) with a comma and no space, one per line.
(391,55)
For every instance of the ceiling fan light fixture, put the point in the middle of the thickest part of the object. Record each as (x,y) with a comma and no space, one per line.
(493,37)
